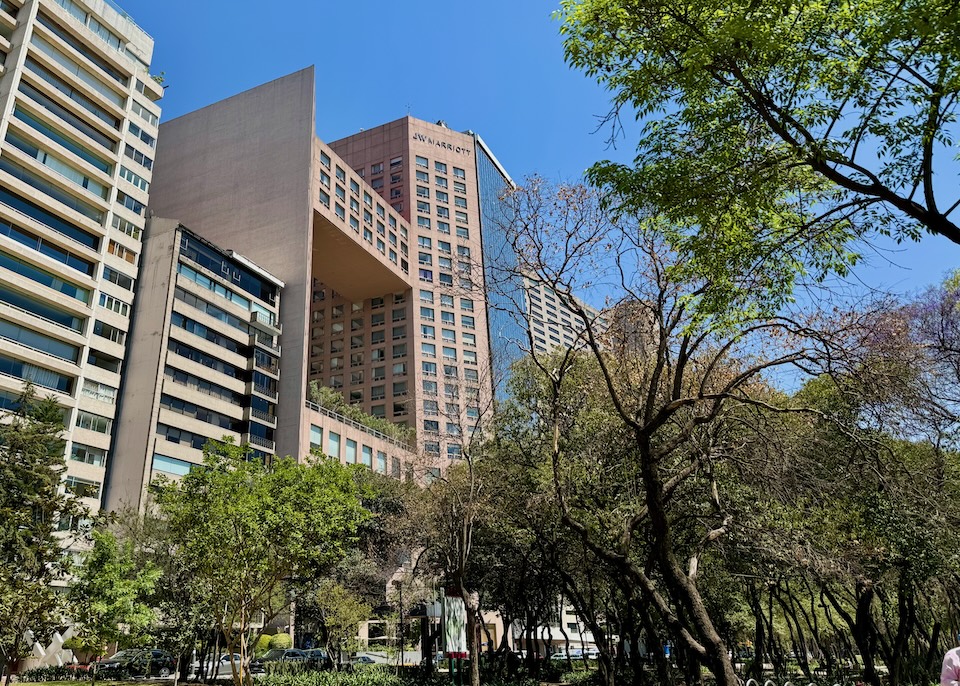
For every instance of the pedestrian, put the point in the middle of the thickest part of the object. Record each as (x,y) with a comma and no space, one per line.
(950,672)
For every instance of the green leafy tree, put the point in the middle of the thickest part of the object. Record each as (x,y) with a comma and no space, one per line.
(108,596)
(32,509)
(340,612)
(182,601)
(249,530)
(774,133)
(637,429)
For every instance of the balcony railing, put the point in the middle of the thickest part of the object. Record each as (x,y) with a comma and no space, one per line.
(264,417)
(360,427)
(269,324)
(261,442)
(265,341)
(265,391)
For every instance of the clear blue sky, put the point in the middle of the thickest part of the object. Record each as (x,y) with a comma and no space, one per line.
(495,67)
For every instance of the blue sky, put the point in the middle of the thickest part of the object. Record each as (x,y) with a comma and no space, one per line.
(495,67)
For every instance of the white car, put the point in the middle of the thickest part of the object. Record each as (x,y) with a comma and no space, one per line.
(219,668)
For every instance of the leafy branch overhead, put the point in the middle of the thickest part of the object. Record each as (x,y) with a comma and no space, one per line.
(774,134)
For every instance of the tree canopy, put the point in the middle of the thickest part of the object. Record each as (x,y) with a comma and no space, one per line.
(33,507)
(775,133)
(247,530)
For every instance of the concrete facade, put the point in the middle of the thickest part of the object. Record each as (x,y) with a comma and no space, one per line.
(378,238)
(78,126)
(204,361)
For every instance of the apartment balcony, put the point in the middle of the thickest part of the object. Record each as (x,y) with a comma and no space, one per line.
(263,391)
(259,416)
(259,442)
(265,323)
(272,370)
(264,341)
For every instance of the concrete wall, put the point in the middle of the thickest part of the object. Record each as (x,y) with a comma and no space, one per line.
(130,463)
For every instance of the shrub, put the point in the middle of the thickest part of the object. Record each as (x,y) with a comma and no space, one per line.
(281,642)
(262,646)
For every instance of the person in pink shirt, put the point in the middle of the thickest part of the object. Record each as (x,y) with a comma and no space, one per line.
(950,672)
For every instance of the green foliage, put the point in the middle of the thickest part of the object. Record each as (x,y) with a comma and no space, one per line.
(32,507)
(280,642)
(247,529)
(377,675)
(339,612)
(775,134)
(107,596)
(334,401)
(262,645)
(64,673)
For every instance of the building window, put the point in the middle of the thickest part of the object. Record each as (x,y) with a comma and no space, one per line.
(459,173)
(82,488)
(422,161)
(316,438)
(440,167)
(88,454)
(333,444)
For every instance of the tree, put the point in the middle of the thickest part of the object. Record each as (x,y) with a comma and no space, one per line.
(250,529)
(108,594)
(181,600)
(640,428)
(340,612)
(32,509)
(774,134)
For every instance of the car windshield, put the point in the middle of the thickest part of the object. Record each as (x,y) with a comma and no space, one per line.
(125,654)
(273,654)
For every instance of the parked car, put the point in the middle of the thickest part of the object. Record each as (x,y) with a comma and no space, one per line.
(276,656)
(220,667)
(591,654)
(362,660)
(317,658)
(138,662)
(574,654)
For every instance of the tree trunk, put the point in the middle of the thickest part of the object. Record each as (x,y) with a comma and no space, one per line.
(472,603)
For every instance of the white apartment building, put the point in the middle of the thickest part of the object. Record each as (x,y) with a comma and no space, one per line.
(78,127)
